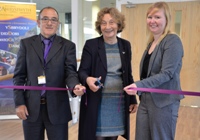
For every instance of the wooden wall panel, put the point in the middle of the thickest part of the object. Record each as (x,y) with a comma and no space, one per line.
(135,32)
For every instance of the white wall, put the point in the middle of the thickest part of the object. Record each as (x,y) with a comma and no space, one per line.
(120,2)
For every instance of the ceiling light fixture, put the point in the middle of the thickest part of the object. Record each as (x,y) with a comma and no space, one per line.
(90,0)
(130,5)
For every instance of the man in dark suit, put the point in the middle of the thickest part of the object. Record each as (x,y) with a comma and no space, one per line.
(54,67)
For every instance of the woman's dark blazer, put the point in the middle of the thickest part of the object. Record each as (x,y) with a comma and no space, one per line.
(94,63)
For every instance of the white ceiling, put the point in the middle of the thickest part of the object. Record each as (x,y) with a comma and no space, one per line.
(62,6)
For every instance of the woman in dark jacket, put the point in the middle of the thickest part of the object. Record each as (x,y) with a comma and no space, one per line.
(105,69)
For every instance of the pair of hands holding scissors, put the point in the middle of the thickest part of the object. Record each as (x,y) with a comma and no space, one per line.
(95,84)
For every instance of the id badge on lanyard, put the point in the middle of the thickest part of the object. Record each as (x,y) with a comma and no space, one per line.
(42,79)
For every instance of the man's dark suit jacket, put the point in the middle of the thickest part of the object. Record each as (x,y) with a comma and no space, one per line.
(60,70)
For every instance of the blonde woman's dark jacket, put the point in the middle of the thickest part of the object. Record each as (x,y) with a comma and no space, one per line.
(164,70)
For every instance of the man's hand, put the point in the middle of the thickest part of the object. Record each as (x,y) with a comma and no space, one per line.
(79,90)
(22,112)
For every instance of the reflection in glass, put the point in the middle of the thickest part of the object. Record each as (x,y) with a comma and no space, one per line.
(178,22)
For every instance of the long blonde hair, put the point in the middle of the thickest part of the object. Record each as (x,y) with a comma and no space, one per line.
(154,8)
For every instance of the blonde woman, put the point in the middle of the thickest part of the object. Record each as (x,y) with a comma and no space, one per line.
(160,68)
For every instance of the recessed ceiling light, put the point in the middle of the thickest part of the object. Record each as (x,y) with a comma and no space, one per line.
(90,0)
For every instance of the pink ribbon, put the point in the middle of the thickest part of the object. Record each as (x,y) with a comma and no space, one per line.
(35,88)
(165,91)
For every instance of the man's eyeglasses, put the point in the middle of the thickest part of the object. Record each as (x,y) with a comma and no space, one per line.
(46,20)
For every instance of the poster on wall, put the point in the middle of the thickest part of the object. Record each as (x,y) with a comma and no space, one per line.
(17,21)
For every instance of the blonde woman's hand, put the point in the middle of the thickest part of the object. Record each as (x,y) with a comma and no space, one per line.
(130,89)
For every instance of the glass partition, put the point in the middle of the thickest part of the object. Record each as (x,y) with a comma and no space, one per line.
(178,17)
